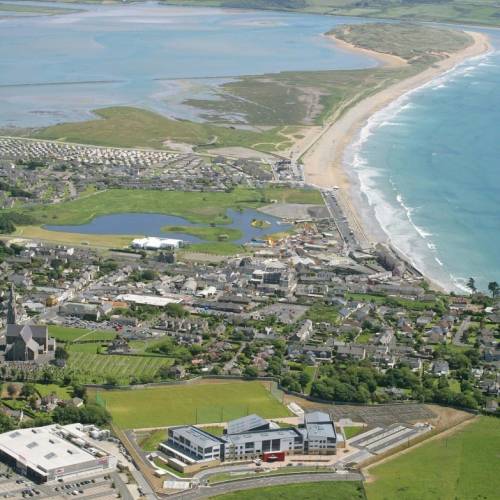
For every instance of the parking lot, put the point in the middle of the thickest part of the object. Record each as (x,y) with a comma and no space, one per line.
(99,487)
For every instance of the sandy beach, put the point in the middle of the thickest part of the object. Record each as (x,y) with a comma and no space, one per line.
(323,159)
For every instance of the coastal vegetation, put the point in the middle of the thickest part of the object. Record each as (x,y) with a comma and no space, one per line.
(459,466)
(203,207)
(275,106)
(208,233)
(34,9)
(188,404)
(455,11)
(415,44)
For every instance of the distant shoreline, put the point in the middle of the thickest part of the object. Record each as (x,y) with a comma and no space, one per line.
(325,163)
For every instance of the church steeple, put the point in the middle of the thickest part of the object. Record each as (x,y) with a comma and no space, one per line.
(11,311)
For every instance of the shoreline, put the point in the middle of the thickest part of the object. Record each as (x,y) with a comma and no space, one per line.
(335,138)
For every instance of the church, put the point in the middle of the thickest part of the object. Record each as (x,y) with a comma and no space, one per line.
(26,342)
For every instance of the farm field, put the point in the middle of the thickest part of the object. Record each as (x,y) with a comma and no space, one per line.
(460,466)
(338,490)
(69,334)
(97,368)
(194,206)
(190,404)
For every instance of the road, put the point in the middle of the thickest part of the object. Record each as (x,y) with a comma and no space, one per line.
(246,484)
(457,338)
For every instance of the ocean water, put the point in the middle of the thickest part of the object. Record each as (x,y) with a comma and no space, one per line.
(429,170)
(59,68)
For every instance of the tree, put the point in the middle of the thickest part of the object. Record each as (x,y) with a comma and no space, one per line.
(471,285)
(27,391)
(251,372)
(61,353)
(94,414)
(66,414)
(304,379)
(11,390)
(494,288)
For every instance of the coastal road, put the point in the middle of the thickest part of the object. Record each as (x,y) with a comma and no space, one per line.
(246,484)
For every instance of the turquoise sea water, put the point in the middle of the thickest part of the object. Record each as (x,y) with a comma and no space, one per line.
(58,68)
(429,168)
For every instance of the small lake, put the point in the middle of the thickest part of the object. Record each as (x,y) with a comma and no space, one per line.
(150,225)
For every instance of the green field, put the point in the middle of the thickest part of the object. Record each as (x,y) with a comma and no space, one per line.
(190,404)
(338,490)
(462,466)
(69,334)
(195,206)
(96,368)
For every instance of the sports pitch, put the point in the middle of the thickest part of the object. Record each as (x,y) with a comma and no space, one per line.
(190,404)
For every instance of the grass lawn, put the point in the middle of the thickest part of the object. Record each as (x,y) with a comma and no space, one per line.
(96,368)
(69,334)
(151,440)
(46,389)
(459,467)
(217,248)
(351,431)
(338,490)
(190,404)
(104,241)
(194,206)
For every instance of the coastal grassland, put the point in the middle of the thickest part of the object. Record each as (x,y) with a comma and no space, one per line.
(104,241)
(190,404)
(338,490)
(416,44)
(70,334)
(455,11)
(206,233)
(98,368)
(125,126)
(34,9)
(463,465)
(293,97)
(209,207)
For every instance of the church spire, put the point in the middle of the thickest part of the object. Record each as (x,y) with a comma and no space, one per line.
(11,311)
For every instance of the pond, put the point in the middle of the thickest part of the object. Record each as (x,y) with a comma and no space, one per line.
(144,224)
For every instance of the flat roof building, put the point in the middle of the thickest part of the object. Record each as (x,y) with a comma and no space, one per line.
(247,438)
(52,452)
